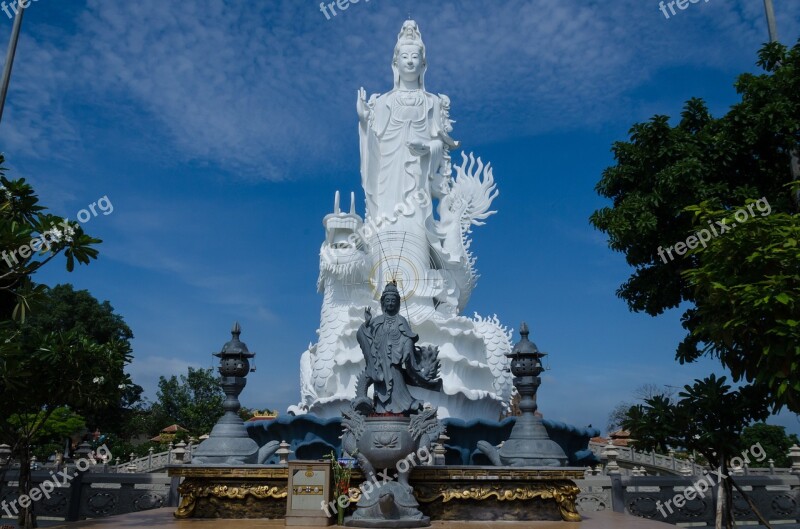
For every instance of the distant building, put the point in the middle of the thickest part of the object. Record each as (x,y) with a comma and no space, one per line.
(266,415)
(618,438)
(168,434)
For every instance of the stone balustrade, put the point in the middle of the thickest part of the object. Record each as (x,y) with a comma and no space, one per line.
(156,462)
(93,494)
(777,497)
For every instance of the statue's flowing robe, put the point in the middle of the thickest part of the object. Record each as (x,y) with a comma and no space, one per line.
(387,343)
(390,173)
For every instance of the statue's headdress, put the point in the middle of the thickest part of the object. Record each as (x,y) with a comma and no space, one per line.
(409,34)
(391,288)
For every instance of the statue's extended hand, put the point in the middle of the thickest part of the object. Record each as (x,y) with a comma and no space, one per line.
(418,148)
(367,314)
(361,104)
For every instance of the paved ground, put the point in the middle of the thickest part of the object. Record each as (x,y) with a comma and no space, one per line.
(162,518)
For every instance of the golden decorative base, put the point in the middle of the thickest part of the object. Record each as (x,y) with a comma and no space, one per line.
(497,493)
(444,492)
(250,491)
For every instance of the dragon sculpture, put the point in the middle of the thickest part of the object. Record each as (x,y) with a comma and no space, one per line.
(471,350)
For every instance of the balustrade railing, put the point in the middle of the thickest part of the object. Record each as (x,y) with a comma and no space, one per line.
(90,494)
(153,462)
(777,497)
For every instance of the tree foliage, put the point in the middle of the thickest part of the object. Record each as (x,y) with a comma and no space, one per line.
(746,288)
(30,238)
(708,418)
(773,440)
(194,401)
(45,369)
(669,181)
(646,391)
(52,434)
(65,309)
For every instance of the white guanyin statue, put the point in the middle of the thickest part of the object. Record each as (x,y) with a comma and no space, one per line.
(405,168)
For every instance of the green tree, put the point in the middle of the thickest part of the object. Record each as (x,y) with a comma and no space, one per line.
(669,181)
(51,436)
(642,393)
(773,440)
(147,419)
(66,309)
(746,312)
(31,238)
(70,368)
(708,418)
(194,401)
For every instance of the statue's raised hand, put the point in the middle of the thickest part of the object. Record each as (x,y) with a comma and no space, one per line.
(418,148)
(361,104)
(367,314)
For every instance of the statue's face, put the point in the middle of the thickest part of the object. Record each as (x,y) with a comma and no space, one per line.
(409,62)
(391,304)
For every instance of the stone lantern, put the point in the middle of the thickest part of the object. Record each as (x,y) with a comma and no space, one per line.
(794,456)
(283,453)
(83,451)
(228,442)
(179,453)
(5,454)
(529,444)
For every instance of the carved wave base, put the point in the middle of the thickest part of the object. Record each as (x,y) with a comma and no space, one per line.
(477,383)
(448,493)
(497,494)
(232,492)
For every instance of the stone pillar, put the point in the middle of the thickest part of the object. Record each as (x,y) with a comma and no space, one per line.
(529,444)
(229,442)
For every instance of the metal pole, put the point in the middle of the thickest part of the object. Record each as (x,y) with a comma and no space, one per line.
(12,50)
(795,157)
(773,27)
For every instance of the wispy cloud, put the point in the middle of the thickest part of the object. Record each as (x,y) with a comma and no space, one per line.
(146,370)
(267,89)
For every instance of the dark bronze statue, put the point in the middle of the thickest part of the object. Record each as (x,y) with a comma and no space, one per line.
(393,361)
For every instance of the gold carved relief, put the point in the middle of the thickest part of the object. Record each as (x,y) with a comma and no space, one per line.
(190,492)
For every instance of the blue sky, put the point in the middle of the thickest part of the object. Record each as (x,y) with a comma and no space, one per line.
(219,130)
